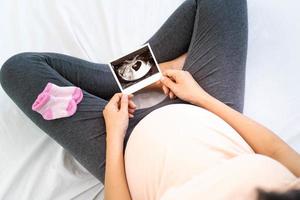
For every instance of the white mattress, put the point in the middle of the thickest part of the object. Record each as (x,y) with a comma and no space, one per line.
(33,166)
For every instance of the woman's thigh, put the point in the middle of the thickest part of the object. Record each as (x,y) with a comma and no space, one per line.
(217,53)
(25,75)
(214,34)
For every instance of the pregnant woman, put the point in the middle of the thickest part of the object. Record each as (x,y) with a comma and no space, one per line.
(194,144)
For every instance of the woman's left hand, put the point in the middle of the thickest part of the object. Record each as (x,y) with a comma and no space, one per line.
(116,115)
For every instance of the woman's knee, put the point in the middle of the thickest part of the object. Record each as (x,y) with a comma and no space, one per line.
(14,67)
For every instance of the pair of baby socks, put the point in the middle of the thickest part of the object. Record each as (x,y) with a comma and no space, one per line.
(57,102)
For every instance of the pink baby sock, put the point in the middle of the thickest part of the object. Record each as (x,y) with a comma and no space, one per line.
(53,107)
(70,91)
(57,102)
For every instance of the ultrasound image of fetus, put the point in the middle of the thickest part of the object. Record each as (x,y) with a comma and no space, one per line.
(134,69)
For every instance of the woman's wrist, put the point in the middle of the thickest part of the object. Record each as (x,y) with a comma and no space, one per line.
(114,147)
(114,138)
(203,100)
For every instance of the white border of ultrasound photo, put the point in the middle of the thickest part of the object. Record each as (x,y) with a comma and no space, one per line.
(143,83)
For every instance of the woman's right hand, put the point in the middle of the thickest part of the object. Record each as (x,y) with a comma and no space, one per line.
(184,86)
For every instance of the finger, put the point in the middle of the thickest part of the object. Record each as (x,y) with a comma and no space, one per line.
(174,96)
(114,101)
(124,103)
(131,104)
(130,96)
(168,82)
(165,90)
(130,115)
(131,110)
(168,90)
(116,97)
(171,95)
(172,73)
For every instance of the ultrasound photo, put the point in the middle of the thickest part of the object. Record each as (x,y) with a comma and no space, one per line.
(136,70)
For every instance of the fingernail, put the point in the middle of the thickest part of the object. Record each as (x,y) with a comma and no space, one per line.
(124,97)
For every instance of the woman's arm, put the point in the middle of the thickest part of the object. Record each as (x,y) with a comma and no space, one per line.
(261,139)
(115,179)
(116,114)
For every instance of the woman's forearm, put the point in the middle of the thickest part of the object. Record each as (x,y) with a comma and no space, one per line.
(115,187)
(261,139)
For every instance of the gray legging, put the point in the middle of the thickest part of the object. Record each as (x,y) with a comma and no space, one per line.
(212,32)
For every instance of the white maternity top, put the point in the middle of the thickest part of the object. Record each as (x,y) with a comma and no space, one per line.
(182,151)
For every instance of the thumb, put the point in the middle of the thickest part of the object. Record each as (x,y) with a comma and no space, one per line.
(168,82)
(124,103)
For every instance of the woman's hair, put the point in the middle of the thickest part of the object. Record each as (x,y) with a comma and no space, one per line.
(289,195)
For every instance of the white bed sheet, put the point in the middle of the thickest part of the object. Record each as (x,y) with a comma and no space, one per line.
(33,166)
